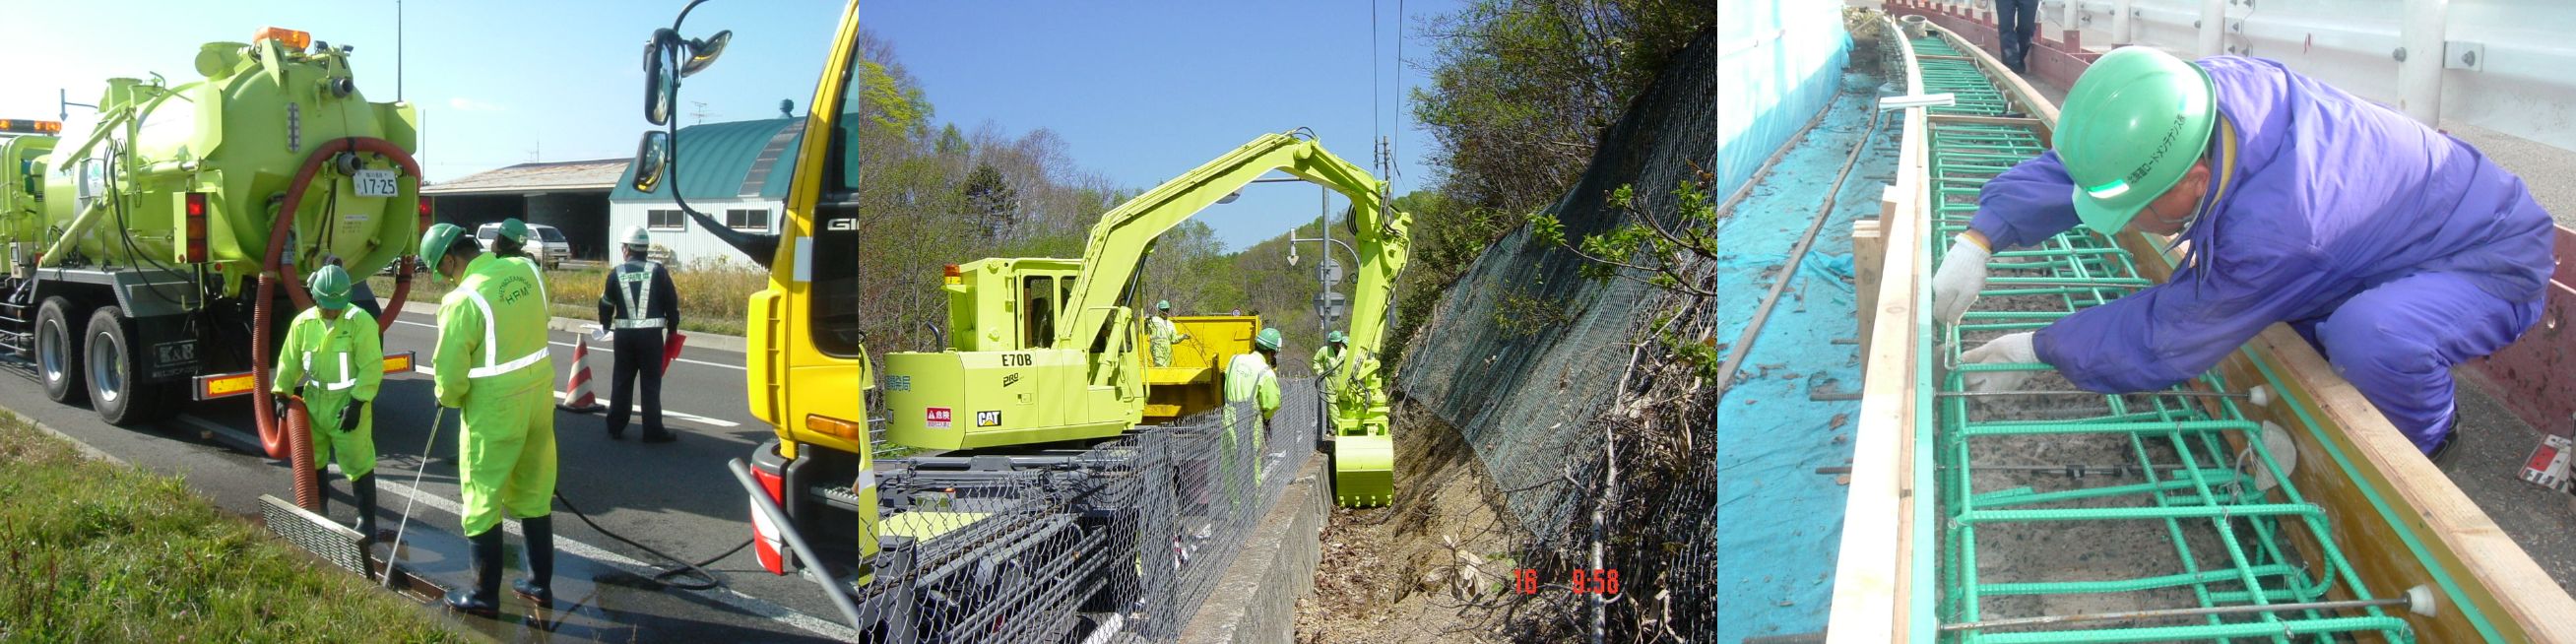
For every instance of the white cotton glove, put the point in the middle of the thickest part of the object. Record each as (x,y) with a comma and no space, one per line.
(1956,282)
(2009,349)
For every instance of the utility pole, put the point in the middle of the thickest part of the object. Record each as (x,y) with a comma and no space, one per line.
(1324,221)
(398,51)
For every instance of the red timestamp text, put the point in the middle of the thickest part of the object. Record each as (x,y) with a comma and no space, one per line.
(1580,581)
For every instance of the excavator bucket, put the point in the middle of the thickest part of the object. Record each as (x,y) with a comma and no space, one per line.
(1364,471)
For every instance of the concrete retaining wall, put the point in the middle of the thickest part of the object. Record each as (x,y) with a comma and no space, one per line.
(1256,600)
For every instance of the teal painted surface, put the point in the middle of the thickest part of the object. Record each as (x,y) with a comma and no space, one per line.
(1779,522)
(717,158)
(1777,63)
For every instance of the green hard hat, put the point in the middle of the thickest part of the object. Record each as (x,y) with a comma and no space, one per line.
(514,230)
(1164,305)
(2132,125)
(1335,337)
(434,242)
(330,288)
(1268,340)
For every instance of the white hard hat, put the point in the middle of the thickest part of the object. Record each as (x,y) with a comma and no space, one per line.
(636,238)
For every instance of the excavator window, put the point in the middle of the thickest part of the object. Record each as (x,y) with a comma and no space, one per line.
(1038,296)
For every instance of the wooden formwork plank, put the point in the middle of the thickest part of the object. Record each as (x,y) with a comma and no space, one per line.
(2536,375)
(1872,571)
(1869,254)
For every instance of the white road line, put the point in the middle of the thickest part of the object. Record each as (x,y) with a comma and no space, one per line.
(639,409)
(568,345)
(729,597)
(425,370)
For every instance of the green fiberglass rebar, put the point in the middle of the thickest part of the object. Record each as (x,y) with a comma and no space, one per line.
(2225,515)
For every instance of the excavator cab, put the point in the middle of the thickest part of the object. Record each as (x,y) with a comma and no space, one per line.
(1002,378)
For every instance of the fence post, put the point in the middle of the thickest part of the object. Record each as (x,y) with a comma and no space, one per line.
(2420,60)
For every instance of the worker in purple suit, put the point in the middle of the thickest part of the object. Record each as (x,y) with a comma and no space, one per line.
(2396,250)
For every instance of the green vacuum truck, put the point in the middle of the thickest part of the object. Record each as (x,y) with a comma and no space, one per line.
(157,249)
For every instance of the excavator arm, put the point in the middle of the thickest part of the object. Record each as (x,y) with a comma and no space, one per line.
(1363,450)
(1118,244)
(1363,447)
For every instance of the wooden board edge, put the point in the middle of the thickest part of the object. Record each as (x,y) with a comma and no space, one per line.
(1869,257)
(1872,577)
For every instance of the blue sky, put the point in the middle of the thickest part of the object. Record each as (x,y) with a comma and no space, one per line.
(1145,91)
(1140,91)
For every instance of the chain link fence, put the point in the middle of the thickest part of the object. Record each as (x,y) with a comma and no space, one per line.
(1526,358)
(1120,542)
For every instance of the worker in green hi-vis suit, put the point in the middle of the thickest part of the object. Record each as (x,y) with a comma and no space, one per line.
(333,360)
(1328,360)
(1249,380)
(491,365)
(1160,334)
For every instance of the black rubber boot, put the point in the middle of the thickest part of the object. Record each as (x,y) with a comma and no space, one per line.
(322,478)
(364,488)
(2444,451)
(483,598)
(538,585)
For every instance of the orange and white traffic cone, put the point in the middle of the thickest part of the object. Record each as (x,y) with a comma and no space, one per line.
(580,396)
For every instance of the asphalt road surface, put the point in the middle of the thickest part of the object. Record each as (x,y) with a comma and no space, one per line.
(674,497)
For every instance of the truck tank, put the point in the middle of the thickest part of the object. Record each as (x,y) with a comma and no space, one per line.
(119,183)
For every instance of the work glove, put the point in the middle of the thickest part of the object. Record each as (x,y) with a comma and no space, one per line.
(1956,282)
(2009,349)
(277,405)
(349,415)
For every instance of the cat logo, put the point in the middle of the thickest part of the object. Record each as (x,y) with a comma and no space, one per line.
(988,418)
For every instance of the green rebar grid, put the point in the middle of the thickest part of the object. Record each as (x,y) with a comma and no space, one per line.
(2188,480)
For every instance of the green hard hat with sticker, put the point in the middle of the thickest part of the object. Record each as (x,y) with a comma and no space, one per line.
(330,288)
(1267,340)
(2134,123)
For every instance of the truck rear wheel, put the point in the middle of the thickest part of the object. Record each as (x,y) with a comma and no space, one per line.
(58,352)
(115,390)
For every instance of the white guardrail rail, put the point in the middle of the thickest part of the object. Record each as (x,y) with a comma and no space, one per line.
(2502,65)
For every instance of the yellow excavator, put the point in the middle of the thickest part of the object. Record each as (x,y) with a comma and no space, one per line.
(1044,354)
(1047,351)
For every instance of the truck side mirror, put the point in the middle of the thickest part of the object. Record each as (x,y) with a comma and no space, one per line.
(659,85)
(652,154)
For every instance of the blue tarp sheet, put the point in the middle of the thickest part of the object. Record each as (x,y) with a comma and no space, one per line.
(1777,63)
(1779,522)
